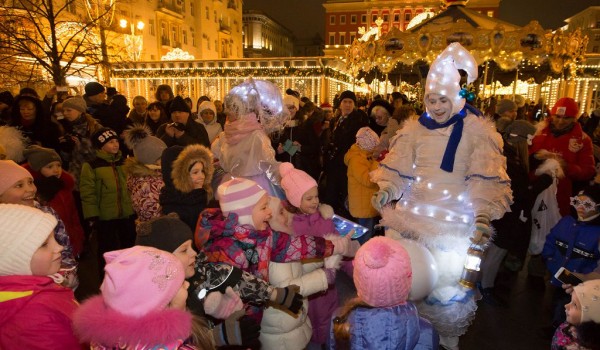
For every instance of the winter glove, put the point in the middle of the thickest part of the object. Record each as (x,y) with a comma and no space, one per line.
(237,329)
(381,198)
(344,245)
(288,297)
(222,306)
(482,233)
(330,274)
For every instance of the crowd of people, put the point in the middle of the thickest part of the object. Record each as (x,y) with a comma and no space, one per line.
(219,228)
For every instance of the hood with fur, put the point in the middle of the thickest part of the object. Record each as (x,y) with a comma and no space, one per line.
(186,159)
(134,167)
(95,322)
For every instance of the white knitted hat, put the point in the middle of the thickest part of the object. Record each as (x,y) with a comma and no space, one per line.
(23,229)
(367,139)
(444,79)
(588,293)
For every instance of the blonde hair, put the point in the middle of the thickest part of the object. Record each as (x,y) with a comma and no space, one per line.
(202,335)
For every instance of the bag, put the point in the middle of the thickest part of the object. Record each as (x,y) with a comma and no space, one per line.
(545,216)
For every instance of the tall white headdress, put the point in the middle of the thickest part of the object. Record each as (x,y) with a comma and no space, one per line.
(443,77)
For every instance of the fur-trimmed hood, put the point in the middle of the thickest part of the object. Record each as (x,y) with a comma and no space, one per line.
(186,159)
(95,322)
(134,167)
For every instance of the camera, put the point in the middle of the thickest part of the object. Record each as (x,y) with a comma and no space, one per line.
(178,126)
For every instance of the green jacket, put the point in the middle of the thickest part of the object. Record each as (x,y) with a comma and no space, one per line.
(103,188)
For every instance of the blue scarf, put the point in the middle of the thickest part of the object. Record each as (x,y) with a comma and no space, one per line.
(455,136)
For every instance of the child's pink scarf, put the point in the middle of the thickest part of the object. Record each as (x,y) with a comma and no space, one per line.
(238,130)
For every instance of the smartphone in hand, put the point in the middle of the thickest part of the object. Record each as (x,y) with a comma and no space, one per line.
(344,226)
(567,277)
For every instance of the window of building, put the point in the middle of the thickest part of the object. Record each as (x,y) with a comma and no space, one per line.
(385,18)
(216,45)
(215,15)
(595,49)
(596,37)
(363,19)
(352,37)
(174,36)
(207,13)
(490,13)
(353,19)
(192,8)
(163,32)
(342,19)
(342,39)
(151,27)
(407,17)
(193,35)
(331,39)
(184,36)
(331,19)
(208,44)
(373,18)
(396,17)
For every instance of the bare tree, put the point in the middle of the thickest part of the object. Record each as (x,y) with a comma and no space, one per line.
(42,40)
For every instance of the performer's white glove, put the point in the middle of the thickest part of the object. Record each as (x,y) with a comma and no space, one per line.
(381,198)
(483,231)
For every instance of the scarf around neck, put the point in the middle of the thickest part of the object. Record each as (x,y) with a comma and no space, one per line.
(237,130)
(455,135)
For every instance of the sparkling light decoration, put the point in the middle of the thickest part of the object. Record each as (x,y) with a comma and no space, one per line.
(177,54)
(421,17)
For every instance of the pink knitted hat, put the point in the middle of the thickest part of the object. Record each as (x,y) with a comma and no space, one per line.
(10,173)
(140,280)
(382,272)
(295,183)
(240,195)
(367,139)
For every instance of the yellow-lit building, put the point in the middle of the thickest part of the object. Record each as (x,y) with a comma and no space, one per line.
(265,37)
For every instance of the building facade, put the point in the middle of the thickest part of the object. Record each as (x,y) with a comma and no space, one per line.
(343,18)
(264,37)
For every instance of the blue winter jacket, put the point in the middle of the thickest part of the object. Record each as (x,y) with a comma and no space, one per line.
(390,328)
(572,244)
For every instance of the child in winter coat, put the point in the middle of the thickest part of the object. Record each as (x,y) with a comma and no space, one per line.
(141,306)
(35,312)
(312,220)
(106,202)
(380,317)
(55,189)
(279,329)
(581,330)
(574,243)
(360,162)
(207,116)
(144,177)
(187,173)
(17,187)
(239,234)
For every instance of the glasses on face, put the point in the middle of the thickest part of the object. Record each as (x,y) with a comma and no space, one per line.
(586,204)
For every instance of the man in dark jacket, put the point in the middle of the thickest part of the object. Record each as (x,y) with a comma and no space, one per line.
(342,138)
(98,107)
(183,130)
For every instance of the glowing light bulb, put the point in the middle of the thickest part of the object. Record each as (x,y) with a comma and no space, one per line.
(429,185)
(445,192)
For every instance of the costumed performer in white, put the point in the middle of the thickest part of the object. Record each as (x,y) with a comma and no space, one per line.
(449,175)
(254,109)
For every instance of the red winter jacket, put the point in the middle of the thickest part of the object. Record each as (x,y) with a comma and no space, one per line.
(35,313)
(580,164)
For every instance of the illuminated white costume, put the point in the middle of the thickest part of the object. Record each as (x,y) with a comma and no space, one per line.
(436,207)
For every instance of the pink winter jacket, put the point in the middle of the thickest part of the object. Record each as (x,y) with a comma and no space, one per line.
(35,313)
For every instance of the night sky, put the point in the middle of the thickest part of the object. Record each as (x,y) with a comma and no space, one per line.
(306,18)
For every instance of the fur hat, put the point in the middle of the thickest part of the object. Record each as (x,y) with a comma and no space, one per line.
(178,105)
(443,77)
(588,293)
(140,280)
(382,103)
(295,183)
(505,105)
(291,100)
(147,149)
(348,94)
(239,196)
(207,105)
(565,107)
(12,143)
(77,103)
(38,157)
(326,106)
(93,88)
(23,229)
(102,136)
(382,272)
(165,233)
(184,162)
(11,173)
(367,139)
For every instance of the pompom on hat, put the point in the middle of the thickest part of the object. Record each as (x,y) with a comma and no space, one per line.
(588,293)
(367,139)
(23,230)
(147,149)
(295,183)
(140,280)
(565,107)
(38,157)
(443,77)
(77,103)
(382,272)
(239,196)
(11,173)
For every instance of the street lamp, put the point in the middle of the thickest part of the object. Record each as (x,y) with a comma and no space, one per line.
(133,42)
